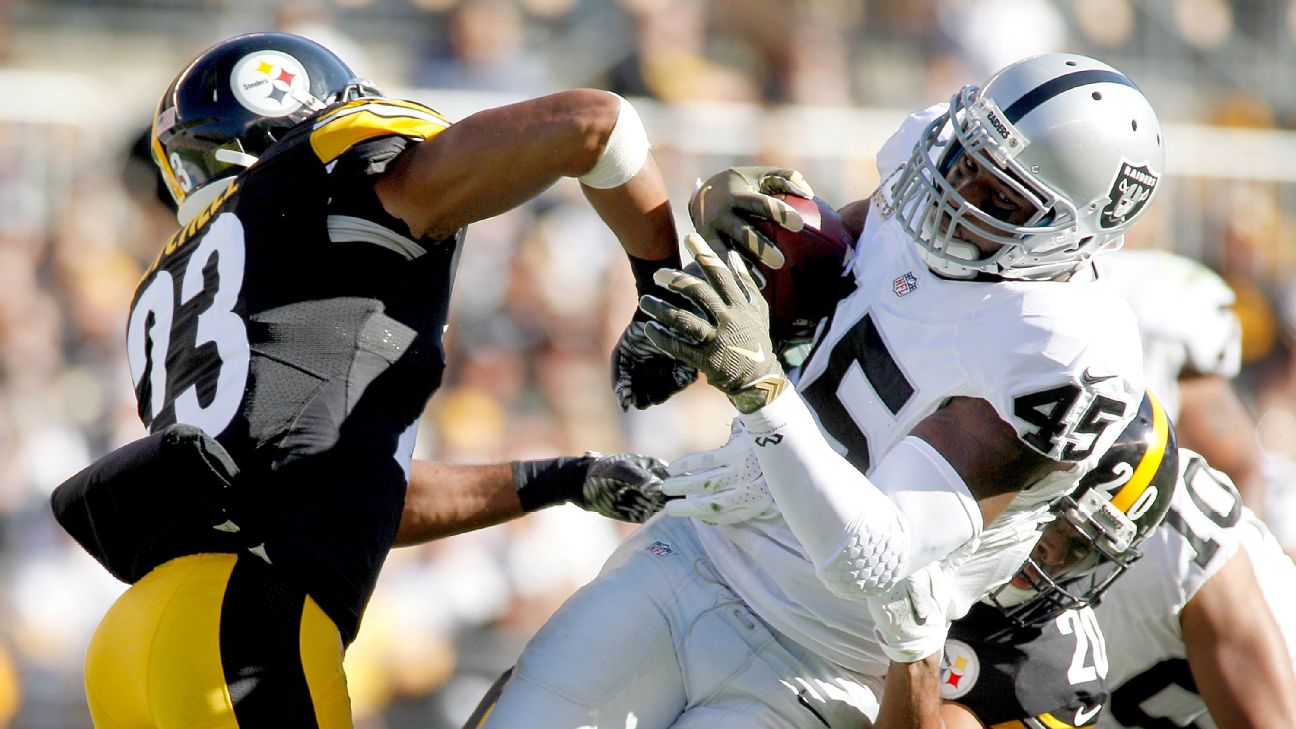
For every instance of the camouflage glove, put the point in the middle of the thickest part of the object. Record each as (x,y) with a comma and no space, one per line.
(642,374)
(730,342)
(622,486)
(723,205)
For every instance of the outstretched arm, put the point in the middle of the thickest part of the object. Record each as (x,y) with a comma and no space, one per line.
(498,158)
(444,499)
(1236,651)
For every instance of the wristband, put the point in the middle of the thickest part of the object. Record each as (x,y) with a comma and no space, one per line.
(643,270)
(549,481)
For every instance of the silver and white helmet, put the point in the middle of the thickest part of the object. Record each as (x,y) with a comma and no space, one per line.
(1073,136)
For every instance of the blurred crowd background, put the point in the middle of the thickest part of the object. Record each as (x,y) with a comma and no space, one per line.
(543,291)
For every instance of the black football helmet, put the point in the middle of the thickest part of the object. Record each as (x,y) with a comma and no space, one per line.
(235,100)
(1103,522)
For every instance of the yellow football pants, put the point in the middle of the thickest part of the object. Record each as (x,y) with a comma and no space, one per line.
(216,641)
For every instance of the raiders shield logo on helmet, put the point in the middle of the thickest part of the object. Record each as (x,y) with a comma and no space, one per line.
(1129,193)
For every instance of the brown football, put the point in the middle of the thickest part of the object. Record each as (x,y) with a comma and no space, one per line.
(810,282)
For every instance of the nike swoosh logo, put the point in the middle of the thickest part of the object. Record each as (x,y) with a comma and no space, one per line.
(757,357)
(1084,715)
(1089,378)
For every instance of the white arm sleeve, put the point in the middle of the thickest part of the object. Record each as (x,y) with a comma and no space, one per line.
(863,534)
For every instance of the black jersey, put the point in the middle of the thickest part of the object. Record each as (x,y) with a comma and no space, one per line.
(1048,677)
(301,325)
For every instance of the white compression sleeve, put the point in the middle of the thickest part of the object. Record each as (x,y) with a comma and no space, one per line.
(863,534)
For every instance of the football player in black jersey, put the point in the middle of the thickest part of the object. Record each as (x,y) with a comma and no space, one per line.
(283,346)
(1032,656)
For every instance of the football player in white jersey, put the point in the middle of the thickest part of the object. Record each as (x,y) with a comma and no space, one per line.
(1201,632)
(1032,655)
(976,371)
(1198,632)
(1192,344)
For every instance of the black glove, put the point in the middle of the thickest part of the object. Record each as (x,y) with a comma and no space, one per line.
(730,341)
(642,375)
(622,486)
(723,205)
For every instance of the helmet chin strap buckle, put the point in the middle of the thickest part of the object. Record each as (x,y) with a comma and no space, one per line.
(1114,526)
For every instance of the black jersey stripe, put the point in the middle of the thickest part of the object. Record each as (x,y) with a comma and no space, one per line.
(260,629)
(882,370)
(1032,99)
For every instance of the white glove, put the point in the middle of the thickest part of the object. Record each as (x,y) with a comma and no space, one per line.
(721,486)
(912,619)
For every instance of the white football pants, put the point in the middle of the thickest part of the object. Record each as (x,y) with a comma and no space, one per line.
(656,641)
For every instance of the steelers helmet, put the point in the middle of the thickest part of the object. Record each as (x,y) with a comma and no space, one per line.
(235,100)
(1072,136)
(1105,519)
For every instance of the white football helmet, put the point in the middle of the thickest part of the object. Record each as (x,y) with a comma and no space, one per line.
(1073,136)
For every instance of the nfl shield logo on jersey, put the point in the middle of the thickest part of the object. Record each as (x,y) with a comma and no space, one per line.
(904,285)
(661,549)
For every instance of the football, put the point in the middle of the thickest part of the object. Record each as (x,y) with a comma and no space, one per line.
(810,282)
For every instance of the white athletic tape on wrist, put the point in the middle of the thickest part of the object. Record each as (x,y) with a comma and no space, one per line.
(623,155)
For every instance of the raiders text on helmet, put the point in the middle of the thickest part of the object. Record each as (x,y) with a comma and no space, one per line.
(1071,135)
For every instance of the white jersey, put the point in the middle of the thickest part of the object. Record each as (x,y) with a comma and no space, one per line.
(1185,316)
(1148,669)
(1059,361)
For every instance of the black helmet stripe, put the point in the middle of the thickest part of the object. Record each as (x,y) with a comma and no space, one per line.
(1053,87)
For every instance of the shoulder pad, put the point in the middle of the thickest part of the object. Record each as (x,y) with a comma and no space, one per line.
(1061,364)
(341,128)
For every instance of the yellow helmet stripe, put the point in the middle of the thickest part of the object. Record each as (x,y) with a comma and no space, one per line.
(1147,468)
(369,118)
(164,164)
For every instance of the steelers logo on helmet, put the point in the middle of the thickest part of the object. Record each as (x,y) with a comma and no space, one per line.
(270,83)
(960,669)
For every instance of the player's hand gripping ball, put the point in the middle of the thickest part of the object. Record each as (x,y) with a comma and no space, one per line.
(810,282)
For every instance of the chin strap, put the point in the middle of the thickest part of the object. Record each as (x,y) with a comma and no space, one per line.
(357,88)
(198,200)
